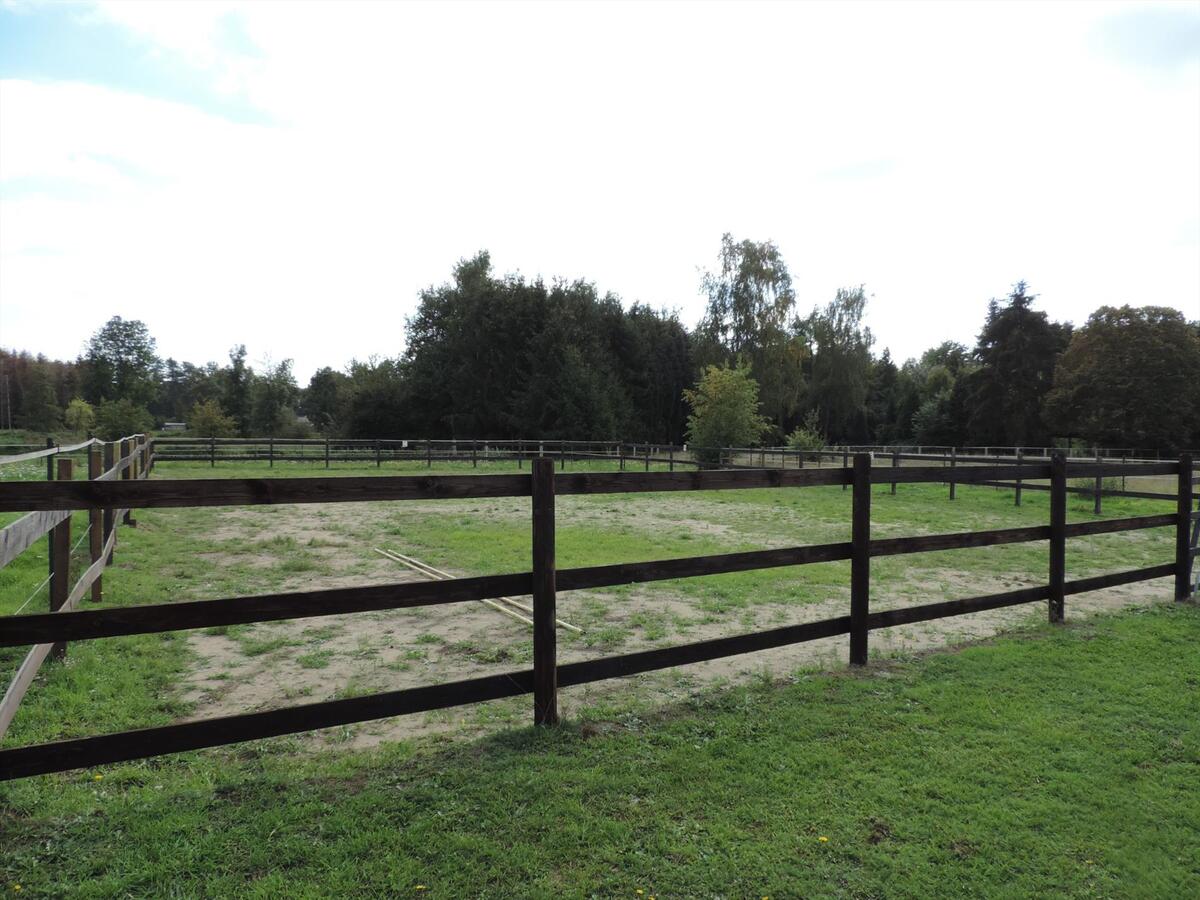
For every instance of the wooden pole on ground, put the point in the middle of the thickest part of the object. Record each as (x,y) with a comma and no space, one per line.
(545,667)
(1183,518)
(60,577)
(95,522)
(1058,534)
(860,560)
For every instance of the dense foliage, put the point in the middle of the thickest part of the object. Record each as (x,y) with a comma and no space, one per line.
(490,356)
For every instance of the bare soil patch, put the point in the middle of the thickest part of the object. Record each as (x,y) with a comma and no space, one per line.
(269,665)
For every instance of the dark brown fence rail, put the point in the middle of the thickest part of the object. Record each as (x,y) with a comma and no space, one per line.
(544,581)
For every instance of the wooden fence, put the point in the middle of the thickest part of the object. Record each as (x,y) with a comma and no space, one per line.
(545,580)
(126,459)
(381,450)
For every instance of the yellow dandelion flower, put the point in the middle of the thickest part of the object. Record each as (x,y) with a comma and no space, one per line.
(639,892)
(823,839)
(419,887)
(16,889)
(97,778)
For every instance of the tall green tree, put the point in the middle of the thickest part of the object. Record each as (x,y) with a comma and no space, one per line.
(40,410)
(841,365)
(1017,352)
(751,305)
(1130,376)
(273,397)
(122,363)
(235,396)
(326,400)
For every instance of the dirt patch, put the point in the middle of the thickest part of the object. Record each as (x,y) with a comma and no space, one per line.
(270,665)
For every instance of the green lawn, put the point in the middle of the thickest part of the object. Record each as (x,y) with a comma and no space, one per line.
(1062,762)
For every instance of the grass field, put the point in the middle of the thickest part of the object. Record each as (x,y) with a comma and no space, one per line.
(1001,770)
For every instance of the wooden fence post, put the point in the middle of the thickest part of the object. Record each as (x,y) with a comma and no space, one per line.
(1099,485)
(845,462)
(953,466)
(895,465)
(95,522)
(50,477)
(212,452)
(1058,534)
(127,475)
(327,453)
(545,671)
(671,457)
(1020,462)
(110,460)
(860,560)
(429,454)
(1183,519)
(60,577)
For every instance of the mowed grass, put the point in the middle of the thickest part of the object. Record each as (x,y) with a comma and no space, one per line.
(1061,763)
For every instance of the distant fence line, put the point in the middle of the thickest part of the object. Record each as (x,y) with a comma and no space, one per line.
(544,580)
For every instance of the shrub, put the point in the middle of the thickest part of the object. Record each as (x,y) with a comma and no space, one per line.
(724,412)
(121,418)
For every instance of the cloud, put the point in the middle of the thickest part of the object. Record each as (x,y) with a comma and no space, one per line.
(614,143)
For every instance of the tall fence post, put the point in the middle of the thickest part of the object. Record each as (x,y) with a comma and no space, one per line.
(50,477)
(1020,462)
(212,452)
(545,667)
(671,457)
(107,517)
(327,453)
(127,475)
(1183,519)
(1099,485)
(860,560)
(953,466)
(60,577)
(95,521)
(895,465)
(1058,534)
(845,462)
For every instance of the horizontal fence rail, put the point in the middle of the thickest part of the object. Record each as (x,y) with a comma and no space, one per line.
(545,580)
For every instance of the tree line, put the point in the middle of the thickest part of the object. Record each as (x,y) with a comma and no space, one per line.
(491,356)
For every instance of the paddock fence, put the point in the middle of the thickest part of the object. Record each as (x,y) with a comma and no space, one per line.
(544,581)
(126,459)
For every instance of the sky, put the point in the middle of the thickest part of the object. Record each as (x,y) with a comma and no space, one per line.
(291,176)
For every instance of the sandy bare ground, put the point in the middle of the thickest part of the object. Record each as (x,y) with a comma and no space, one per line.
(277,664)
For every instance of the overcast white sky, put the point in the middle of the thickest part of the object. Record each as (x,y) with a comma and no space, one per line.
(289,176)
